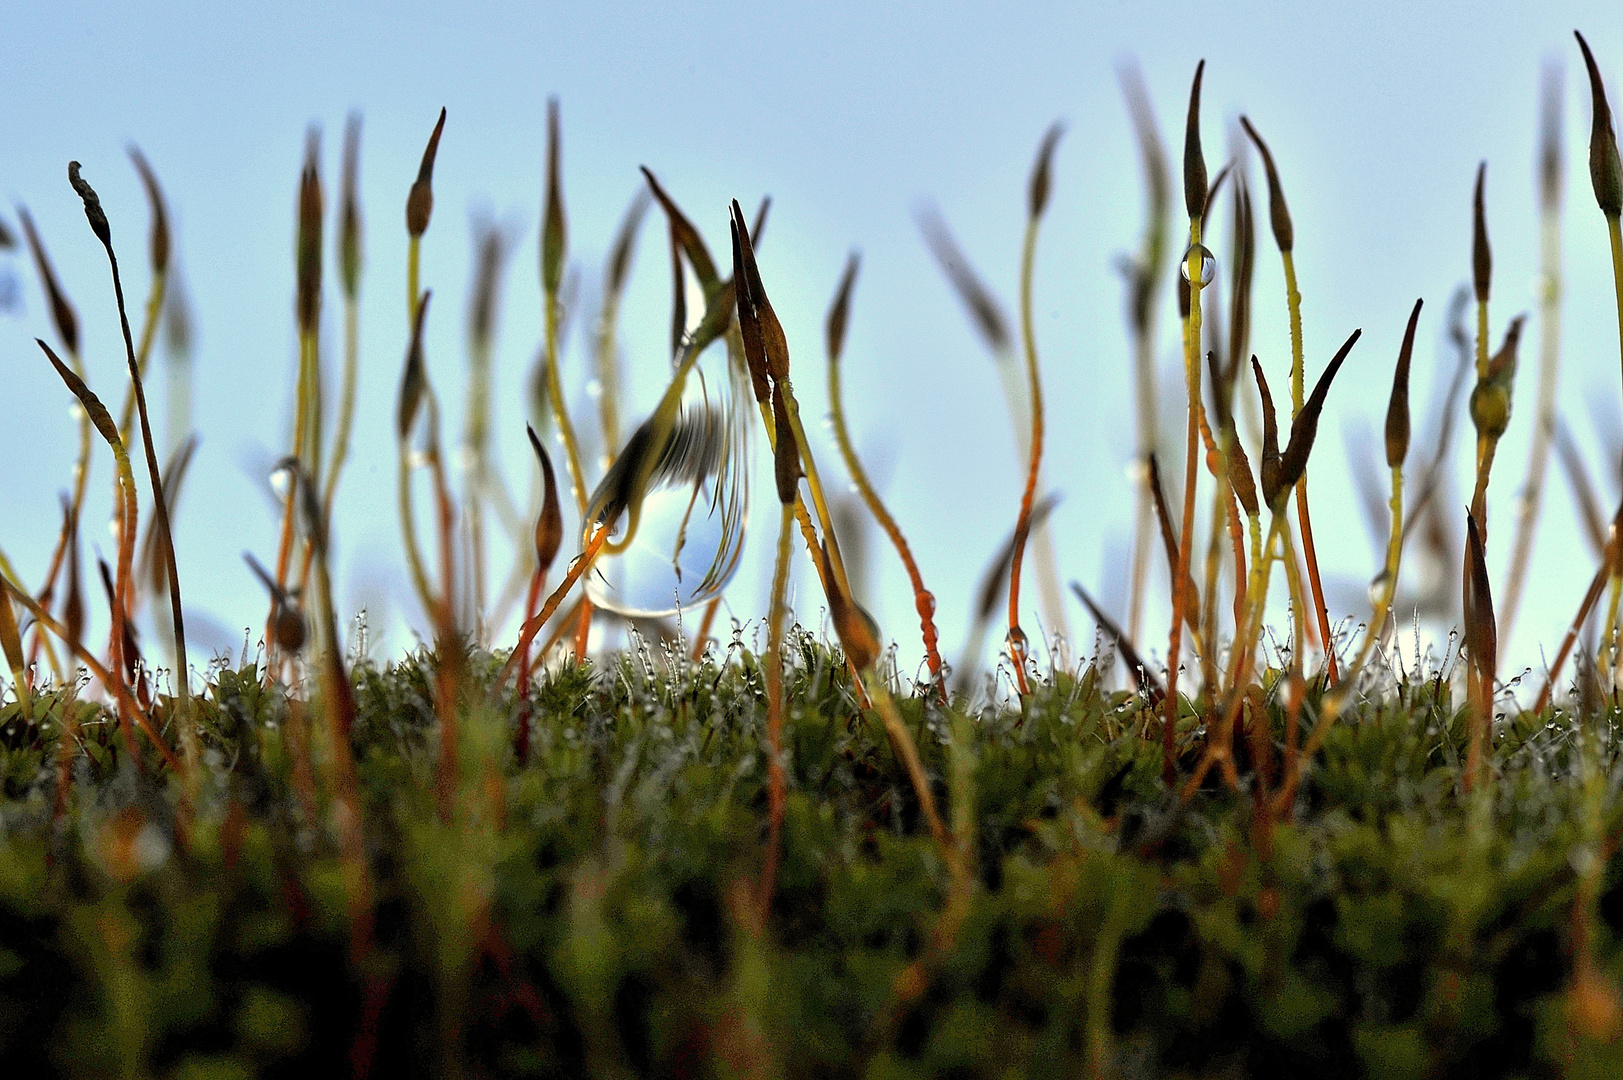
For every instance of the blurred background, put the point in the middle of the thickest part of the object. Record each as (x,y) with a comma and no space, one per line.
(855,119)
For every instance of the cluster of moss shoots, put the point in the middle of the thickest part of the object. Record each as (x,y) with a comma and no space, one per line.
(729,833)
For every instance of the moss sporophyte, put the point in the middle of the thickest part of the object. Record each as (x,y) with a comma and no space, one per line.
(589,828)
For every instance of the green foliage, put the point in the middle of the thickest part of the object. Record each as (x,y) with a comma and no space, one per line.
(590,912)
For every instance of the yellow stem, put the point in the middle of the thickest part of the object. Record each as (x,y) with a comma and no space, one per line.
(346,403)
(1193,270)
(555,393)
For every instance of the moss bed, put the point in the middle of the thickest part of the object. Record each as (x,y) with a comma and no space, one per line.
(591,911)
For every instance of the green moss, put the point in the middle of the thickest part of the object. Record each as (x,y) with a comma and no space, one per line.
(599,922)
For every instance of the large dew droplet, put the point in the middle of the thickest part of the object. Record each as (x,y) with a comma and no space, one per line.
(690,532)
(1208,263)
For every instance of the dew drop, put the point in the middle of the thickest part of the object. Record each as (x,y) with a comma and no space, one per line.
(1019,650)
(691,528)
(1377,588)
(76,411)
(1208,263)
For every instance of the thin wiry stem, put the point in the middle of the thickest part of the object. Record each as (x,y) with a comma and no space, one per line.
(774,703)
(1293,298)
(125,698)
(1028,334)
(185,721)
(1194,270)
(923,599)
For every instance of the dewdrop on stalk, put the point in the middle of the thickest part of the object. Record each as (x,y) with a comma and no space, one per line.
(1208,263)
(688,539)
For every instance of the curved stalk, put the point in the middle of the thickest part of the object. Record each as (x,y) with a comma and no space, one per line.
(923,599)
(1017,637)
(1194,271)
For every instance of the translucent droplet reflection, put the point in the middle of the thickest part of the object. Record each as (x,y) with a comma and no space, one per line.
(1208,263)
(690,532)
(1377,588)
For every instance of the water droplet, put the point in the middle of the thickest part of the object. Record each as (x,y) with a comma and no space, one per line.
(1377,588)
(280,479)
(77,411)
(690,533)
(1208,263)
(594,389)
(1019,650)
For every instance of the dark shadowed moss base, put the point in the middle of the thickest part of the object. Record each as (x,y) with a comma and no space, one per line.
(591,912)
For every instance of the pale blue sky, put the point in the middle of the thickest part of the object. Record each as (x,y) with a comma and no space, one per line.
(848,115)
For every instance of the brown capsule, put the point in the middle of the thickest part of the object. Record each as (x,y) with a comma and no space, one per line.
(1279,215)
(1240,477)
(1042,171)
(840,311)
(619,263)
(1268,466)
(994,584)
(349,214)
(414,380)
(554,237)
(1194,162)
(749,323)
(1220,399)
(130,639)
(99,417)
(93,211)
(420,200)
(1550,153)
(679,295)
(704,267)
(62,313)
(1605,169)
(1397,406)
(774,344)
(73,605)
(288,627)
(1491,398)
(977,299)
(309,237)
(1481,633)
(1245,262)
(158,245)
(549,524)
(1293,462)
(1143,678)
(854,627)
(758,226)
(1481,254)
(786,468)
(1169,538)
(489,254)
